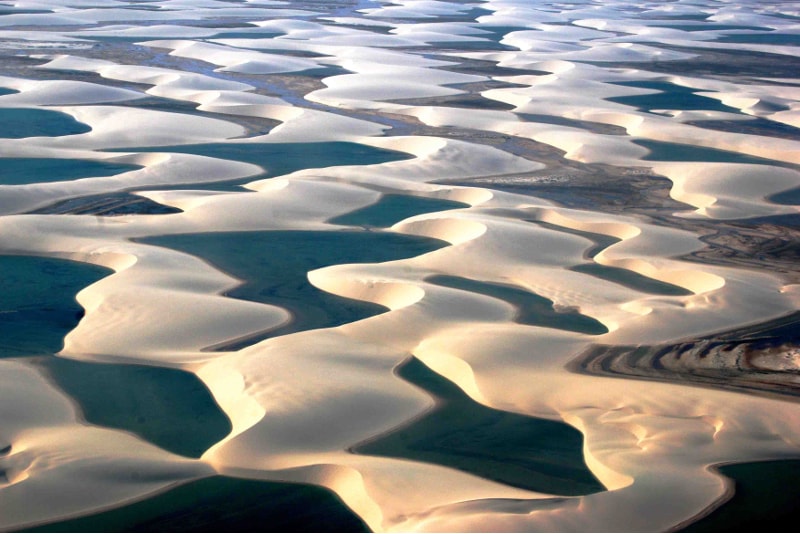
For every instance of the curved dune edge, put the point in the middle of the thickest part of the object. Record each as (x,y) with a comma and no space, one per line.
(47,450)
(256,414)
(649,444)
(730,191)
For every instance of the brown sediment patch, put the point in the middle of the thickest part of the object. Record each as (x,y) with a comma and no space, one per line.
(470,100)
(758,126)
(606,188)
(107,204)
(737,64)
(484,67)
(590,126)
(771,243)
(761,359)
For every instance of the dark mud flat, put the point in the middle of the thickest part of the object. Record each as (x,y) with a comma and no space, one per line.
(526,452)
(752,126)
(109,204)
(764,500)
(38,306)
(467,101)
(224,504)
(274,266)
(758,359)
(594,127)
(596,187)
(767,243)
(741,64)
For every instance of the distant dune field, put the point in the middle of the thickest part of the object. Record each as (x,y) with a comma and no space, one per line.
(399,265)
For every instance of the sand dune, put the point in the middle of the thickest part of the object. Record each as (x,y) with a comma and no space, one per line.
(256,124)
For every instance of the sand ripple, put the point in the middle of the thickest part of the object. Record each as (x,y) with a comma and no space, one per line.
(603,317)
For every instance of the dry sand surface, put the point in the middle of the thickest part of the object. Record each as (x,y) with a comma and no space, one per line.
(489,216)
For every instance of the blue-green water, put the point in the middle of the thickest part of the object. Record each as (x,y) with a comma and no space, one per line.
(7,91)
(170,408)
(274,266)
(765,499)
(670,96)
(779,39)
(600,241)
(753,126)
(617,275)
(391,209)
(707,26)
(224,504)
(790,197)
(17,123)
(663,151)
(532,309)
(527,452)
(631,279)
(283,158)
(38,306)
(21,171)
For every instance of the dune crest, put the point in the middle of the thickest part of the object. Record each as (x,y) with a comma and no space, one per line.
(502,266)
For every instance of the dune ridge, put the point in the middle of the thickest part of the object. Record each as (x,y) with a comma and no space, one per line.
(403,76)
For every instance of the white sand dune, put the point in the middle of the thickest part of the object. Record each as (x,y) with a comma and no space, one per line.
(301,404)
(48,451)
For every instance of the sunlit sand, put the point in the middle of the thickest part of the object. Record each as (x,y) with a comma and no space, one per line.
(398,266)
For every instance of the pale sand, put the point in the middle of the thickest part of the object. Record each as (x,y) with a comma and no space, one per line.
(646,442)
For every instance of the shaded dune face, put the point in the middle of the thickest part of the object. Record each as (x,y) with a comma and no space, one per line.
(398,266)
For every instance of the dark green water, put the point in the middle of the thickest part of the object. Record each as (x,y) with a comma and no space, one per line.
(526,452)
(283,158)
(391,209)
(274,266)
(167,407)
(753,126)
(766,499)
(224,504)
(38,306)
(663,151)
(20,171)
(670,96)
(17,123)
(601,241)
(631,279)
(706,26)
(617,275)
(532,309)
(790,197)
(780,39)
(6,90)
(171,408)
